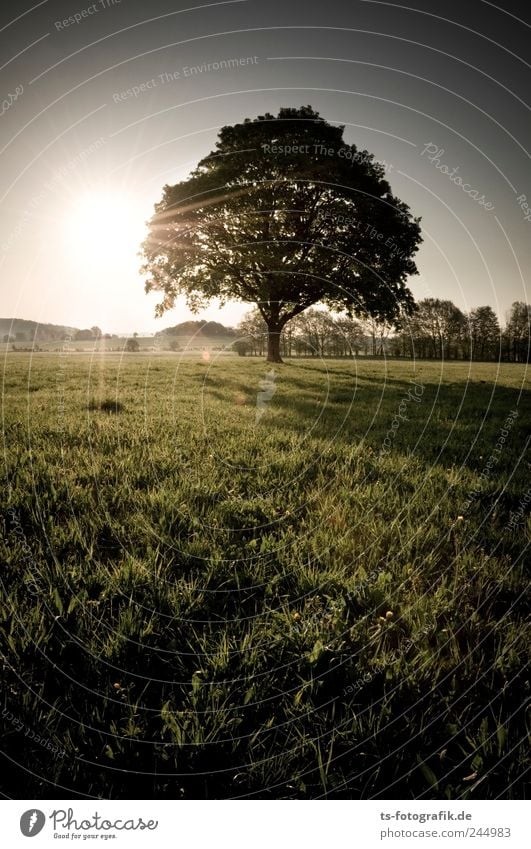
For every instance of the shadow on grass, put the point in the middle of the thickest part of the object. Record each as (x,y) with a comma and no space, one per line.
(108,405)
(464,423)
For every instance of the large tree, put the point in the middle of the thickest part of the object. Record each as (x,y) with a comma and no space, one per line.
(284,214)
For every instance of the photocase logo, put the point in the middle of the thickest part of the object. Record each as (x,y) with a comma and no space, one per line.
(32,822)
(267,390)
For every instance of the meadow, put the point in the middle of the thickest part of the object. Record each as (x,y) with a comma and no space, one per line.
(225,580)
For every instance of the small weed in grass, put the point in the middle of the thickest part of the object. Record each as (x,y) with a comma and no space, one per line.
(108,405)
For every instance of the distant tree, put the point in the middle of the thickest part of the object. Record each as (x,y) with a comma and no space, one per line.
(284,214)
(287,338)
(377,330)
(300,346)
(9,338)
(83,335)
(315,328)
(438,329)
(397,348)
(518,332)
(96,332)
(253,331)
(241,346)
(132,345)
(320,333)
(193,328)
(174,345)
(351,332)
(484,330)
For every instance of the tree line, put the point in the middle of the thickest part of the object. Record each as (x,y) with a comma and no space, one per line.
(437,329)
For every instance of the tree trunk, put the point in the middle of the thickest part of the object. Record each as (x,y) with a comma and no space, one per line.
(273,345)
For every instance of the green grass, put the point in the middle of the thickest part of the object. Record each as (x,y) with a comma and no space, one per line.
(203,602)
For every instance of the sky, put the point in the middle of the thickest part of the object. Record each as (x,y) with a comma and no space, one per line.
(103,103)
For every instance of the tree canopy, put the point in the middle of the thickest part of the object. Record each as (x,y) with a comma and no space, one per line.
(284,214)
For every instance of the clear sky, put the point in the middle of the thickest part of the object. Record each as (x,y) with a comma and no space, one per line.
(99,111)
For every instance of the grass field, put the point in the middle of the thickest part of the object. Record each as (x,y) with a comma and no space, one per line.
(220,581)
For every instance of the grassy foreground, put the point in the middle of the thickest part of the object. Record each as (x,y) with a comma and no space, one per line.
(220,581)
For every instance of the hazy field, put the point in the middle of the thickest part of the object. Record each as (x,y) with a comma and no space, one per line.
(221,581)
(157,344)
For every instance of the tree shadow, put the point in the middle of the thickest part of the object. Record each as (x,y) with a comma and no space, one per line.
(464,423)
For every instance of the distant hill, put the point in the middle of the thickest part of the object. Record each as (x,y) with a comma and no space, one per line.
(21,330)
(198,328)
(24,330)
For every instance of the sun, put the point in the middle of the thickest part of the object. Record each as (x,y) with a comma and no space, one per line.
(104,230)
